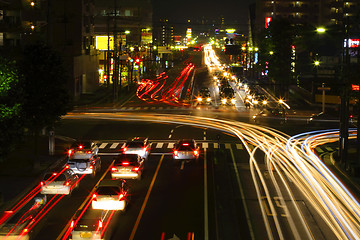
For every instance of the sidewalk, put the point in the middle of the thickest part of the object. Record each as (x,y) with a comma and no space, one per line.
(17,176)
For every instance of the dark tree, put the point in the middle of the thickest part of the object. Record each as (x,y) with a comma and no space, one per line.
(10,107)
(44,83)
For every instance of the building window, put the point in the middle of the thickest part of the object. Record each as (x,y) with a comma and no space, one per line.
(128,13)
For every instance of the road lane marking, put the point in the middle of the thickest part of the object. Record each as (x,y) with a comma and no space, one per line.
(206,215)
(170,136)
(242,196)
(114,145)
(182,165)
(319,150)
(103,145)
(61,235)
(145,200)
(171,145)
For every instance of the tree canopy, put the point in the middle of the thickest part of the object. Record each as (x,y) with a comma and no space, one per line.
(44,83)
(10,106)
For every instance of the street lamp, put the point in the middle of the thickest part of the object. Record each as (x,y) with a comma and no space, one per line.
(320,30)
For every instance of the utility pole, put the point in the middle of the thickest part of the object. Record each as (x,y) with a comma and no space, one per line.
(344,111)
(115,57)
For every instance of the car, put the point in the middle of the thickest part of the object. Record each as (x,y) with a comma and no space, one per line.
(330,118)
(227,96)
(186,149)
(85,148)
(271,115)
(111,194)
(204,96)
(83,165)
(89,224)
(137,145)
(260,100)
(59,182)
(127,166)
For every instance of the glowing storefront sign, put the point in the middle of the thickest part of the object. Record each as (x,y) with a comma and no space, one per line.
(102,43)
(267,21)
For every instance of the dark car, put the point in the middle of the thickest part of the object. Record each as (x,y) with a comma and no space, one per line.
(204,96)
(273,116)
(329,119)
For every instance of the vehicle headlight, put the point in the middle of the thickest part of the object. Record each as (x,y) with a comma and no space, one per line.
(233,101)
(256,102)
(208,99)
(223,101)
(264,102)
(199,99)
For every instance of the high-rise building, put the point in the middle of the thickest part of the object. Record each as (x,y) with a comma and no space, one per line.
(315,12)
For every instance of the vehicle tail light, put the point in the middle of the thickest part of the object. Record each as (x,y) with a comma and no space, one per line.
(114,169)
(88,152)
(176,152)
(91,167)
(121,197)
(185,144)
(94,197)
(80,147)
(42,183)
(125,163)
(67,166)
(100,224)
(125,149)
(67,183)
(351,116)
(69,151)
(135,169)
(72,224)
(196,153)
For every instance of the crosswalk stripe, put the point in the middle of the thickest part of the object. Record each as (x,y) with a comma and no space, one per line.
(103,145)
(239,146)
(319,150)
(216,145)
(152,108)
(171,145)
(146,108)
(159,145)
(205,145)
(138,108)
(227,145)
(130,108)
(114,145)
(329,149)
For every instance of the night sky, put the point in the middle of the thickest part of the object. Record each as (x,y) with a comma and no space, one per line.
(181,10)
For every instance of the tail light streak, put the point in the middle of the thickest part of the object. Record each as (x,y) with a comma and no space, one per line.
(286,159)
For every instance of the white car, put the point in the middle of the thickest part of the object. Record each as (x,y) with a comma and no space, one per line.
(86,149)
(111,194)
(81,165)
(127,166)
(62,182)
(137,145)
(186,149)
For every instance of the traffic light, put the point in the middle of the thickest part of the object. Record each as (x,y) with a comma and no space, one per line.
(137,61)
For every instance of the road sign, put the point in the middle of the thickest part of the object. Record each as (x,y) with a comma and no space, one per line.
(323,88)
